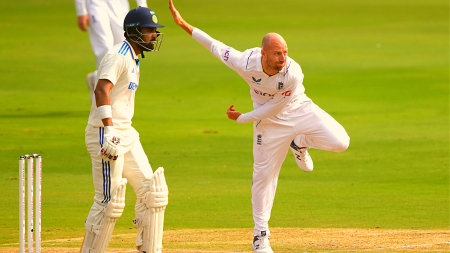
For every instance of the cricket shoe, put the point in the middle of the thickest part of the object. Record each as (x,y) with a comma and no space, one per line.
(261,243)
(302,157)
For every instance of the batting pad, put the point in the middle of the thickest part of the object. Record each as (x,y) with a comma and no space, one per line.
(98,236)
(152,223)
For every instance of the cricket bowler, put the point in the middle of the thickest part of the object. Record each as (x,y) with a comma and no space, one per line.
(283,117)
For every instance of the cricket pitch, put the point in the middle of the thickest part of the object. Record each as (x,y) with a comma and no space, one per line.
(282,240)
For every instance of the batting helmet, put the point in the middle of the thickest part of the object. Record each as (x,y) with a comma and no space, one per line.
(135,20)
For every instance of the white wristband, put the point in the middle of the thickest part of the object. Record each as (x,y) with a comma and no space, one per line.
(104,111)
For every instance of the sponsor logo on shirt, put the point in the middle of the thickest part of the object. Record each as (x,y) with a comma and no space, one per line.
(256,81)
(287,93)
(226,55)
(262,93)
(132,86)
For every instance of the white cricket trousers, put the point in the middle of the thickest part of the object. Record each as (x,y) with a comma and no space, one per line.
(311,127)
(131,164)
(106,25)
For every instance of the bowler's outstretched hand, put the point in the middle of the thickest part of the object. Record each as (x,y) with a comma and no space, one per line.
(179,20)
(232,113)
(176,15)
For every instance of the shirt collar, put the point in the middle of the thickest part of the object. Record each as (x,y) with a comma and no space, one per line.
(258,62)
(133,54)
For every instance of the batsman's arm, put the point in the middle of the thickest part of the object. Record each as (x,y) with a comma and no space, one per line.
(103,100)
(109,149)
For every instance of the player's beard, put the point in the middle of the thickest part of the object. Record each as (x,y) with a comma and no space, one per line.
(276,66)
(150,45)
(280,66)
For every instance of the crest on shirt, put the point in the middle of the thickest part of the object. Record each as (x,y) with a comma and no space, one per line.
(133,86)
(255,80)
(280,85)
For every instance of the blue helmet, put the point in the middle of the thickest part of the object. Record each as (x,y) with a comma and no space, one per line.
(141,17)
(135,20)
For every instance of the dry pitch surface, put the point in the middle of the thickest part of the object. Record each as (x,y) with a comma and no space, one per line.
(282,240)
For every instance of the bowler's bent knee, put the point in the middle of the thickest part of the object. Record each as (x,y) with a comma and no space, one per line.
(342,144)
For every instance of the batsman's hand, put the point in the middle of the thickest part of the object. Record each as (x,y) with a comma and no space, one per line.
(108,151)
(232,113)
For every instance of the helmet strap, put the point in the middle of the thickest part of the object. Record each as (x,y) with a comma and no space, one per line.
(142,51)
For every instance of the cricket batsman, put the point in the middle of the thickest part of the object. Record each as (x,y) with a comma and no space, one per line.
(113,144)
(283,117)
(103,20)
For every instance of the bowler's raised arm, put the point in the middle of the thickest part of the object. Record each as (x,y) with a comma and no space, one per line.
(179,20)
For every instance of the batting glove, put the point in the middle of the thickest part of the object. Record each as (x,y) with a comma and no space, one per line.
(108,151)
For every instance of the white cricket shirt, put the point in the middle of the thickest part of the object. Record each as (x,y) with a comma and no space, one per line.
(274,97)
(120,66)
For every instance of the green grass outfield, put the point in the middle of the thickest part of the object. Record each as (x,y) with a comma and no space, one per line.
(381,68)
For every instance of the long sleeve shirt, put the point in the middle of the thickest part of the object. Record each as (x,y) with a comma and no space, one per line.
(275,96)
